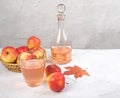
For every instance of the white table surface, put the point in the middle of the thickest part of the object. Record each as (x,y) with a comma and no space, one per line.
(104,81)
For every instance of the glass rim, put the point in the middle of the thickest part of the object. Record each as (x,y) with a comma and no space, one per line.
(32,60)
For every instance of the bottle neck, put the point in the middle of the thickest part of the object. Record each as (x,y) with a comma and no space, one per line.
(61,38)
(60,26)
(61,18)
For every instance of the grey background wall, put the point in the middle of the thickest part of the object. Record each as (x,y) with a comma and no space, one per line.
(90,23)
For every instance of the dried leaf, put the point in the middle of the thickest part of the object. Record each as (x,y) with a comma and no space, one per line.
(76,71)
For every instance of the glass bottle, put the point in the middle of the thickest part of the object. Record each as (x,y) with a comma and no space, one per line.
(61,45)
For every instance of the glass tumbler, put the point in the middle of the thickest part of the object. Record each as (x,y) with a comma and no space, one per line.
(33,71)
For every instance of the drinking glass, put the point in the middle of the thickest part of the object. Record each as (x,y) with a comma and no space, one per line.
(33,71)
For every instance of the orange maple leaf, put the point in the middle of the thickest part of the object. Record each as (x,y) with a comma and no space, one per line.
(76,71)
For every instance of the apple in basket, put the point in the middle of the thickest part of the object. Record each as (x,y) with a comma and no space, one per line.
(9,54)
(21,49)
(26,56)
(38,52)
(33,42)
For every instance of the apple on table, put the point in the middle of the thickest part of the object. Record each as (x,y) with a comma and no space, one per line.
(55,78)
(56,81)
(51,68)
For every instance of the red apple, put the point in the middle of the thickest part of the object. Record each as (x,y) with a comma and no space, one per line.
(33,42)
(0,55)
(21,49)
(9,54)
(26,56)
(51,69)
(38,53)
(56,81)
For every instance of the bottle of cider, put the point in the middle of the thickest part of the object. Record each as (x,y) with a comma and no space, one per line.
(61,45)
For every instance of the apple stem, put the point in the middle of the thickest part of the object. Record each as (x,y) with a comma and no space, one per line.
(66,82)
(7,52)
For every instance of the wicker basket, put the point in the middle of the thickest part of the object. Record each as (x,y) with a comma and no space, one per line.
(12,67)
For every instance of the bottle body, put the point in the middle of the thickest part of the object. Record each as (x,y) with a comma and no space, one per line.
(61,54)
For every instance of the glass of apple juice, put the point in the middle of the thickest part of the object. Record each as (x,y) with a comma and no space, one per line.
(33,71)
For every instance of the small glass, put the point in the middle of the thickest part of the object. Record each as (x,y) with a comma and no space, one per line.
(33,71)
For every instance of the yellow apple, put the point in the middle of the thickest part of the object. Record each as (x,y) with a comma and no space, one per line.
(9,54)
(38,53)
